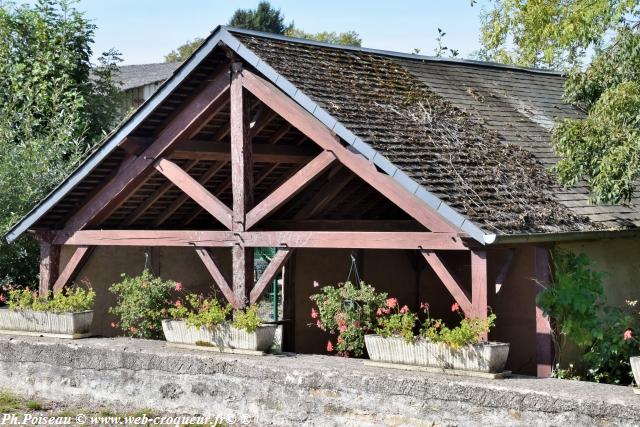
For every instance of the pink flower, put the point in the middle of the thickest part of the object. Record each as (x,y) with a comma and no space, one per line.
(628,334)
(379,312)
(343,327)
(392,302)
(424,306)
(178,287)
(178,303)
(319,324)
(329,346)
(314,313)
(35,294)
(114,325)
(2,298)
(316,284)
(455,307)
(404,309)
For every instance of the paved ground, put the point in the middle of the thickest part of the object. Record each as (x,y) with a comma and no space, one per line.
(297,389)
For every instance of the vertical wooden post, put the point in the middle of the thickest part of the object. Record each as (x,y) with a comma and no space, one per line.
(241,183)
(49,264)
(544,341)
(479,284)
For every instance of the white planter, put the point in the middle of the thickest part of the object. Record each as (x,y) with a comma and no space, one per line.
(635,368)
(222,336)
(71,324)
(482,357)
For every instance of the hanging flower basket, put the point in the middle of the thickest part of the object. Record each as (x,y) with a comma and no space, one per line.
(489,357)
(223,336)
(64,325)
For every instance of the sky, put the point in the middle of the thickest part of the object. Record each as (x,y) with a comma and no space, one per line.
(146,30)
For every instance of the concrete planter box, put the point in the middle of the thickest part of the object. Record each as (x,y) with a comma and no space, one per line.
(482,357)
(66,325)
(222,336)
(635,368)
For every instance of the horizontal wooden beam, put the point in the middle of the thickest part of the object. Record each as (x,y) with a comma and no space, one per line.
(269,273)
(293,239)
(220,151)
(195,191)
(460,295)
(289,188)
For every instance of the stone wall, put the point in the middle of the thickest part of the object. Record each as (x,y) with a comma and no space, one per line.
(296,390)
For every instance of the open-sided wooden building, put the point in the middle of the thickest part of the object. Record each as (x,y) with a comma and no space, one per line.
(433,171)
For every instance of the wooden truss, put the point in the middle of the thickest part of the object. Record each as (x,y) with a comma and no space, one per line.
(167,153)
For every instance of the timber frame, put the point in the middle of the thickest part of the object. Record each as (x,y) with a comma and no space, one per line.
(229,192)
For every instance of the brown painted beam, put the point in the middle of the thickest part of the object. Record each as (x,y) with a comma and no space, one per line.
(460,295)
(183,198)
(195,191)
(49,265)
(178,129)
(504,271)
(257,239)
(218,277)
(73,267)
(263,153)
(290,188)
(241,184)
(146,238)
(325,138)
(152,198)
(479,285)
(274,267)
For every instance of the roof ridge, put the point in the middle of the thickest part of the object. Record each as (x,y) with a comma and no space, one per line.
(394,54)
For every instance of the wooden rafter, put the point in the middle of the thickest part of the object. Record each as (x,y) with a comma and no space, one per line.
(257,239)
(218,277)
(263,153)
(452,284)
(279,134)
(153,197)
(329,191)
(74,265)
(195,191)
(178,129)
(318,132)
(183,198)
(275,265)
(290,188)
(262,122)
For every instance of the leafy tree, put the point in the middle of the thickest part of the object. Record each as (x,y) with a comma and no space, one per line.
(603,149)
(262,18)
(268,19)
(347,38)
(182,52)
(53,108)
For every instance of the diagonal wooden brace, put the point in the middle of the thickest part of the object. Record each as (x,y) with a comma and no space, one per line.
(218,276)
(269,273)
(452,284)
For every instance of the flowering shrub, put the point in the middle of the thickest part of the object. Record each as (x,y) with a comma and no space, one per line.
(467,332)
(66,301)
(142,302)
(396,321)
(349,311)
(198,311)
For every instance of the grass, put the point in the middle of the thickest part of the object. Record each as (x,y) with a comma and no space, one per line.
(9,402)
(34,405)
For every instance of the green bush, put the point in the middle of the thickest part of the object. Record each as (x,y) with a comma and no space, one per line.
(396,321)
(467,333)
(350,312)
(576,305)
(198,311)
(66,301)
(142,303)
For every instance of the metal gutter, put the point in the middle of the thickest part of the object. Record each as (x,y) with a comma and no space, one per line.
(503,239)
